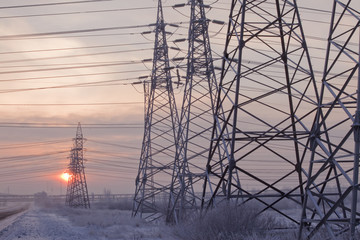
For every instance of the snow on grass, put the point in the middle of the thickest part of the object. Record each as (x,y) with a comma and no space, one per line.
(38,225)
(230,222)
(48,220)
(114,224)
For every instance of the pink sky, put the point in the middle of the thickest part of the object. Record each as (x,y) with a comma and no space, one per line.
(49,83)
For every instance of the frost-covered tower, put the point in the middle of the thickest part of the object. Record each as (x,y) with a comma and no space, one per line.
(331,202)
(196,119)
(159,142)
(77,192)
(265,108)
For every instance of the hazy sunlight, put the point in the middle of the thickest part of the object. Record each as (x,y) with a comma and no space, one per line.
(65,176)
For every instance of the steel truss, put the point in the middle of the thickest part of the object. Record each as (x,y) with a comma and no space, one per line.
(332,189)
(265,108)
(196,118)
(77,192)
(159,143)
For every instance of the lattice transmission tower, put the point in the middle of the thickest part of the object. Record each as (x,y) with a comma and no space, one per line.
(159,142)
(332,189)
(77,192)
(196,118)
(265,107)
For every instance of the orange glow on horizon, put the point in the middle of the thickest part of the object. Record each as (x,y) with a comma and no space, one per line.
(65,176)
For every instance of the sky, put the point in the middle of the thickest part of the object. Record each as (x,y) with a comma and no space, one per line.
(64,62)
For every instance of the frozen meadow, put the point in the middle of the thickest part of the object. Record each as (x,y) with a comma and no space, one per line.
(49,220)
(56,222)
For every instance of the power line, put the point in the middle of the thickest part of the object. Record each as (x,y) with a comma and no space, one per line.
(32,144)
(77,48)
(117,176)
(67,68)
(117,145)
(80,12)
(81,31)
(74,75)
(74,125)
(22,157)
(25,178)
(72,64)
(69,85)
(75,36)
(64,126)
(69,104)
(304,8)
(53,4)
(77,55)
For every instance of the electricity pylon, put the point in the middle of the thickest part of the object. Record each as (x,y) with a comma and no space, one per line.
(265,107)
(77,192)
(196,118)
(333,183)
(159,142)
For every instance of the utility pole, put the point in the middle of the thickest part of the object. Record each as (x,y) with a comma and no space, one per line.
(331,193)
(265,107)
(196,118)
(159,142)
(77,192)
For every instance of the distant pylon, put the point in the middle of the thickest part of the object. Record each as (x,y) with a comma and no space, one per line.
(196,118)
(159,142)
(331,200)
(265,108)
(77,192)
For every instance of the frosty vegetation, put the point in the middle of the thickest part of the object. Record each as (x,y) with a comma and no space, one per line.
(240,223)
(109,219)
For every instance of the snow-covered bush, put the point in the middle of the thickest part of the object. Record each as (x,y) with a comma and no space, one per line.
(231,223)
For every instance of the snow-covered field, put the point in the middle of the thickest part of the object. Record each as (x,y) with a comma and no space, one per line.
(60,223)
(46,220)
(104,221)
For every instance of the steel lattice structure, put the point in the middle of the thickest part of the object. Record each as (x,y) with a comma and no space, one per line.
(265,108)
(159,142)
(77,192)
(333,185)
(196,118)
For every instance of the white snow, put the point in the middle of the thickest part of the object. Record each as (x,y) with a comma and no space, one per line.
(36,224)
(4,209)
(60,223)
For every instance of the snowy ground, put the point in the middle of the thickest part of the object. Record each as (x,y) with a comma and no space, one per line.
(60,223)
(54,221)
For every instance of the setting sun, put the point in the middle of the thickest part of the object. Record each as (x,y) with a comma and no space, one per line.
(65,176)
